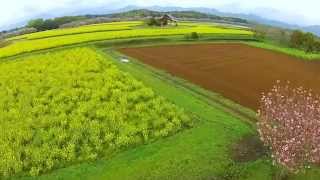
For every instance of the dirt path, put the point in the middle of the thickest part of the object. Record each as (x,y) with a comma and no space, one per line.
(237,71)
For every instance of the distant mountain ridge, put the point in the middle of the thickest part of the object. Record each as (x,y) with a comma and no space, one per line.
(314,29)
(211,13)
(250,17)
(187,14)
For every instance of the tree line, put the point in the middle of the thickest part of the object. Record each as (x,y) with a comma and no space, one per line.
(298,39)
(305,41)
(47,24)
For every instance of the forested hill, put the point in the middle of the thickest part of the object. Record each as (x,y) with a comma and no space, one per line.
(74,21)
(143,13)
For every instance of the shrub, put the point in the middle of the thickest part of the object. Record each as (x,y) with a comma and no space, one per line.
(153,22)
(17,32)
(192,36)
(304,41)
(260,35)
(4,43)
(290,125)
(296,39)
(42,25)
(317,46)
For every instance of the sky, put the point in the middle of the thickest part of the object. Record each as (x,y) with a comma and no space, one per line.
(17,12)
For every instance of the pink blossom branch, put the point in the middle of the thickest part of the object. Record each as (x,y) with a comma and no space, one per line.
(290,125)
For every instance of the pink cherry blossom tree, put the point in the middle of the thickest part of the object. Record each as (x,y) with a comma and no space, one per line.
(290,125)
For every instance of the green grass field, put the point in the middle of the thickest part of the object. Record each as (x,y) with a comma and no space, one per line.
(74,111)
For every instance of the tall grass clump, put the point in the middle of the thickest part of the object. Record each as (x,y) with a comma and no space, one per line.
(290,125)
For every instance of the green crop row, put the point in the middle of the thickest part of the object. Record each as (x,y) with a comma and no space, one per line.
(39,44)
(72,106)
(82,29)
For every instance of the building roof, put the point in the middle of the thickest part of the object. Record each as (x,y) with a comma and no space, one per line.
(169,16)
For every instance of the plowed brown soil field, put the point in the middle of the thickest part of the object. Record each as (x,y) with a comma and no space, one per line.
(236,71)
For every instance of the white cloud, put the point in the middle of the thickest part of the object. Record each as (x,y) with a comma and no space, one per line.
(16,11)
(293,11)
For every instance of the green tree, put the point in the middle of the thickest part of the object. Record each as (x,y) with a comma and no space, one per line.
(35,23)
(317,45)
(42,25)
(296,39)
(153,22)
(50,24)
(305,41)
(309,42)
(259,34)
(192,36)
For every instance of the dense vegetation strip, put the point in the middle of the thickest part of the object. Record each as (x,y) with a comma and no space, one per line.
(39,44)
(72,106)
(82,29)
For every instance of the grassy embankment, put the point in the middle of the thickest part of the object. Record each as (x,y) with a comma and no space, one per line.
(286,50)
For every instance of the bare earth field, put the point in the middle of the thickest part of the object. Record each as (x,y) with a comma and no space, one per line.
(236,71)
